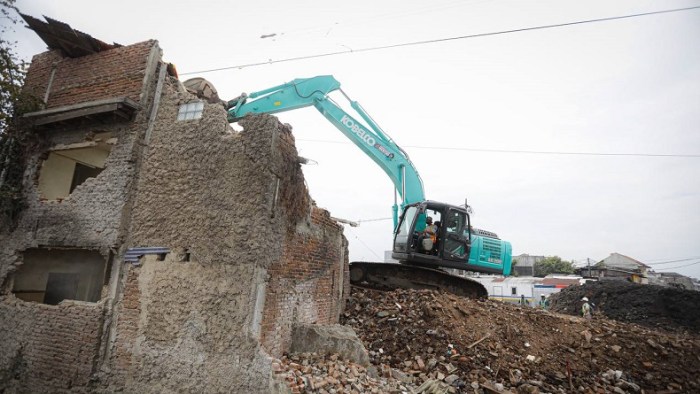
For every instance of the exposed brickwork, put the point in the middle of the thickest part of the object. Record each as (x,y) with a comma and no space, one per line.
(235,203)
(127,325)
(307,283)
(117,72)
(48,348)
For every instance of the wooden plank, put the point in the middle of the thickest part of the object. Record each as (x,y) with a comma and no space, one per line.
(76,114)
(128,103)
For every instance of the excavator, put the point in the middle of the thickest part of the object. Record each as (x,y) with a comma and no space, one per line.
(429,236)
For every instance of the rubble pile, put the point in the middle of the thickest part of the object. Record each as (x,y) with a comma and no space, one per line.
(329,374)
(655,306)
(441,343)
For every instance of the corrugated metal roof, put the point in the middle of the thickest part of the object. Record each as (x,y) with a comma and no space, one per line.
(133,254)
(560,281)
(59,35)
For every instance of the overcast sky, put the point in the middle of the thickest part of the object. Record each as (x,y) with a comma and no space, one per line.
(624,86)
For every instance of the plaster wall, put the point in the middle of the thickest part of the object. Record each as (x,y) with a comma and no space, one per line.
(54,348)
(250,256)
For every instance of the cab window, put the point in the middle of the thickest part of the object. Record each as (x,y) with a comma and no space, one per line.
(406,222)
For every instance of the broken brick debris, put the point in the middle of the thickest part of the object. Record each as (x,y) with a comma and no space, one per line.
(499,347)
(327,374)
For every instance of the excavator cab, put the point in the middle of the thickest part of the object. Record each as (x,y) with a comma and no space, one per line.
(452,241)
(458,244)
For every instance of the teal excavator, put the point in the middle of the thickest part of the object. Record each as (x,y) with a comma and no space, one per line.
(428,235)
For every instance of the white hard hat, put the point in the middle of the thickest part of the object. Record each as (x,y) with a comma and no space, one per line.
(584,299)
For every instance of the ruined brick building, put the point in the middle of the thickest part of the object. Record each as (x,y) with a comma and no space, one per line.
(159,250)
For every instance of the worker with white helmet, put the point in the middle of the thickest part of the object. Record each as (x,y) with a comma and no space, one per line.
(586,309)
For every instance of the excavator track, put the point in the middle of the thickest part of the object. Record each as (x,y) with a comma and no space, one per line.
(391,276)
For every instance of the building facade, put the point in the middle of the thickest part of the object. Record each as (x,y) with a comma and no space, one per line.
(158,248)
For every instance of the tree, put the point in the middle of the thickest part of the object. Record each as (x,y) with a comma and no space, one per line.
(13,103)
(553,265)
(513,272)
(12,69)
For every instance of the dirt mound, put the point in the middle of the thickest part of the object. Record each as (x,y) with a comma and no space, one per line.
(650,305)
(498,346)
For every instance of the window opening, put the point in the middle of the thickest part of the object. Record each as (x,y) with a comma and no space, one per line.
(60,286)
(514,291)
(69,166)
(50,276)
(191,110)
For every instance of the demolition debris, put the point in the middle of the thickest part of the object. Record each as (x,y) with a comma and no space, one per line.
(429,342)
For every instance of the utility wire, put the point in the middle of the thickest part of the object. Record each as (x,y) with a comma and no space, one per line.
(363,244)
(673,261)
(424,42)
(534,152)
(682,266)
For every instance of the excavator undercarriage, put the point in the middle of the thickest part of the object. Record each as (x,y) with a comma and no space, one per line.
(391,276)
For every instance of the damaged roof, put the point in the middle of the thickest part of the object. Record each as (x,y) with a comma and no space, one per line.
(59,35)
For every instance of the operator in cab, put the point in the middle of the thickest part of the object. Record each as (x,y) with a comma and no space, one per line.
(430,236)
(430,229)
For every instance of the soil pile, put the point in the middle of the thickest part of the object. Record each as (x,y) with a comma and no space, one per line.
(440,343)
(654,306)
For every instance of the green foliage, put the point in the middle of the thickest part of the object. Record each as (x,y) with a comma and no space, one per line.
(13,103)
(553,265)
(512,268)
(11,68)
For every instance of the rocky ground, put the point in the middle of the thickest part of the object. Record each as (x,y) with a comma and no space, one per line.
(496,347)
(654,306)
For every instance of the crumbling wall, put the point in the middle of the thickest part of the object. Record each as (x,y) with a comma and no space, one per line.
(228,205)
(118,72)
(48,346)
(250,256)
(183,326)
(57,347)
(307,283)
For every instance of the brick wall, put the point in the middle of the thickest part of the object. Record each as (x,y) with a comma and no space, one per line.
(52,348)
(48,348)
(127,325)
(117,72)
(236,202)
(307,285)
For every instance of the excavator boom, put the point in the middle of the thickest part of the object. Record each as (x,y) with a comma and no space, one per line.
(455,244)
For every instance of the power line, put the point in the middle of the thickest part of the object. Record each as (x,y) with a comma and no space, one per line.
(682,266)
(424,42)
(364,244)
(533,152)
(392,15)
(673,261)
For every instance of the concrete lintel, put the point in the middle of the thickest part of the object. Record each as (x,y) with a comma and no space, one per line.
(120,106)
(85,144)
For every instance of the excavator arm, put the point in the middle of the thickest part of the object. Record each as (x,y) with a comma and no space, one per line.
(367,136)
(460,247)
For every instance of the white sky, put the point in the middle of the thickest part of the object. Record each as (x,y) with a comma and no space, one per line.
(624,86)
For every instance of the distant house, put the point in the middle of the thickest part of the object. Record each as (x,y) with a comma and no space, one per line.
(671,279)
(525,265)
(618,266)
(512,289)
